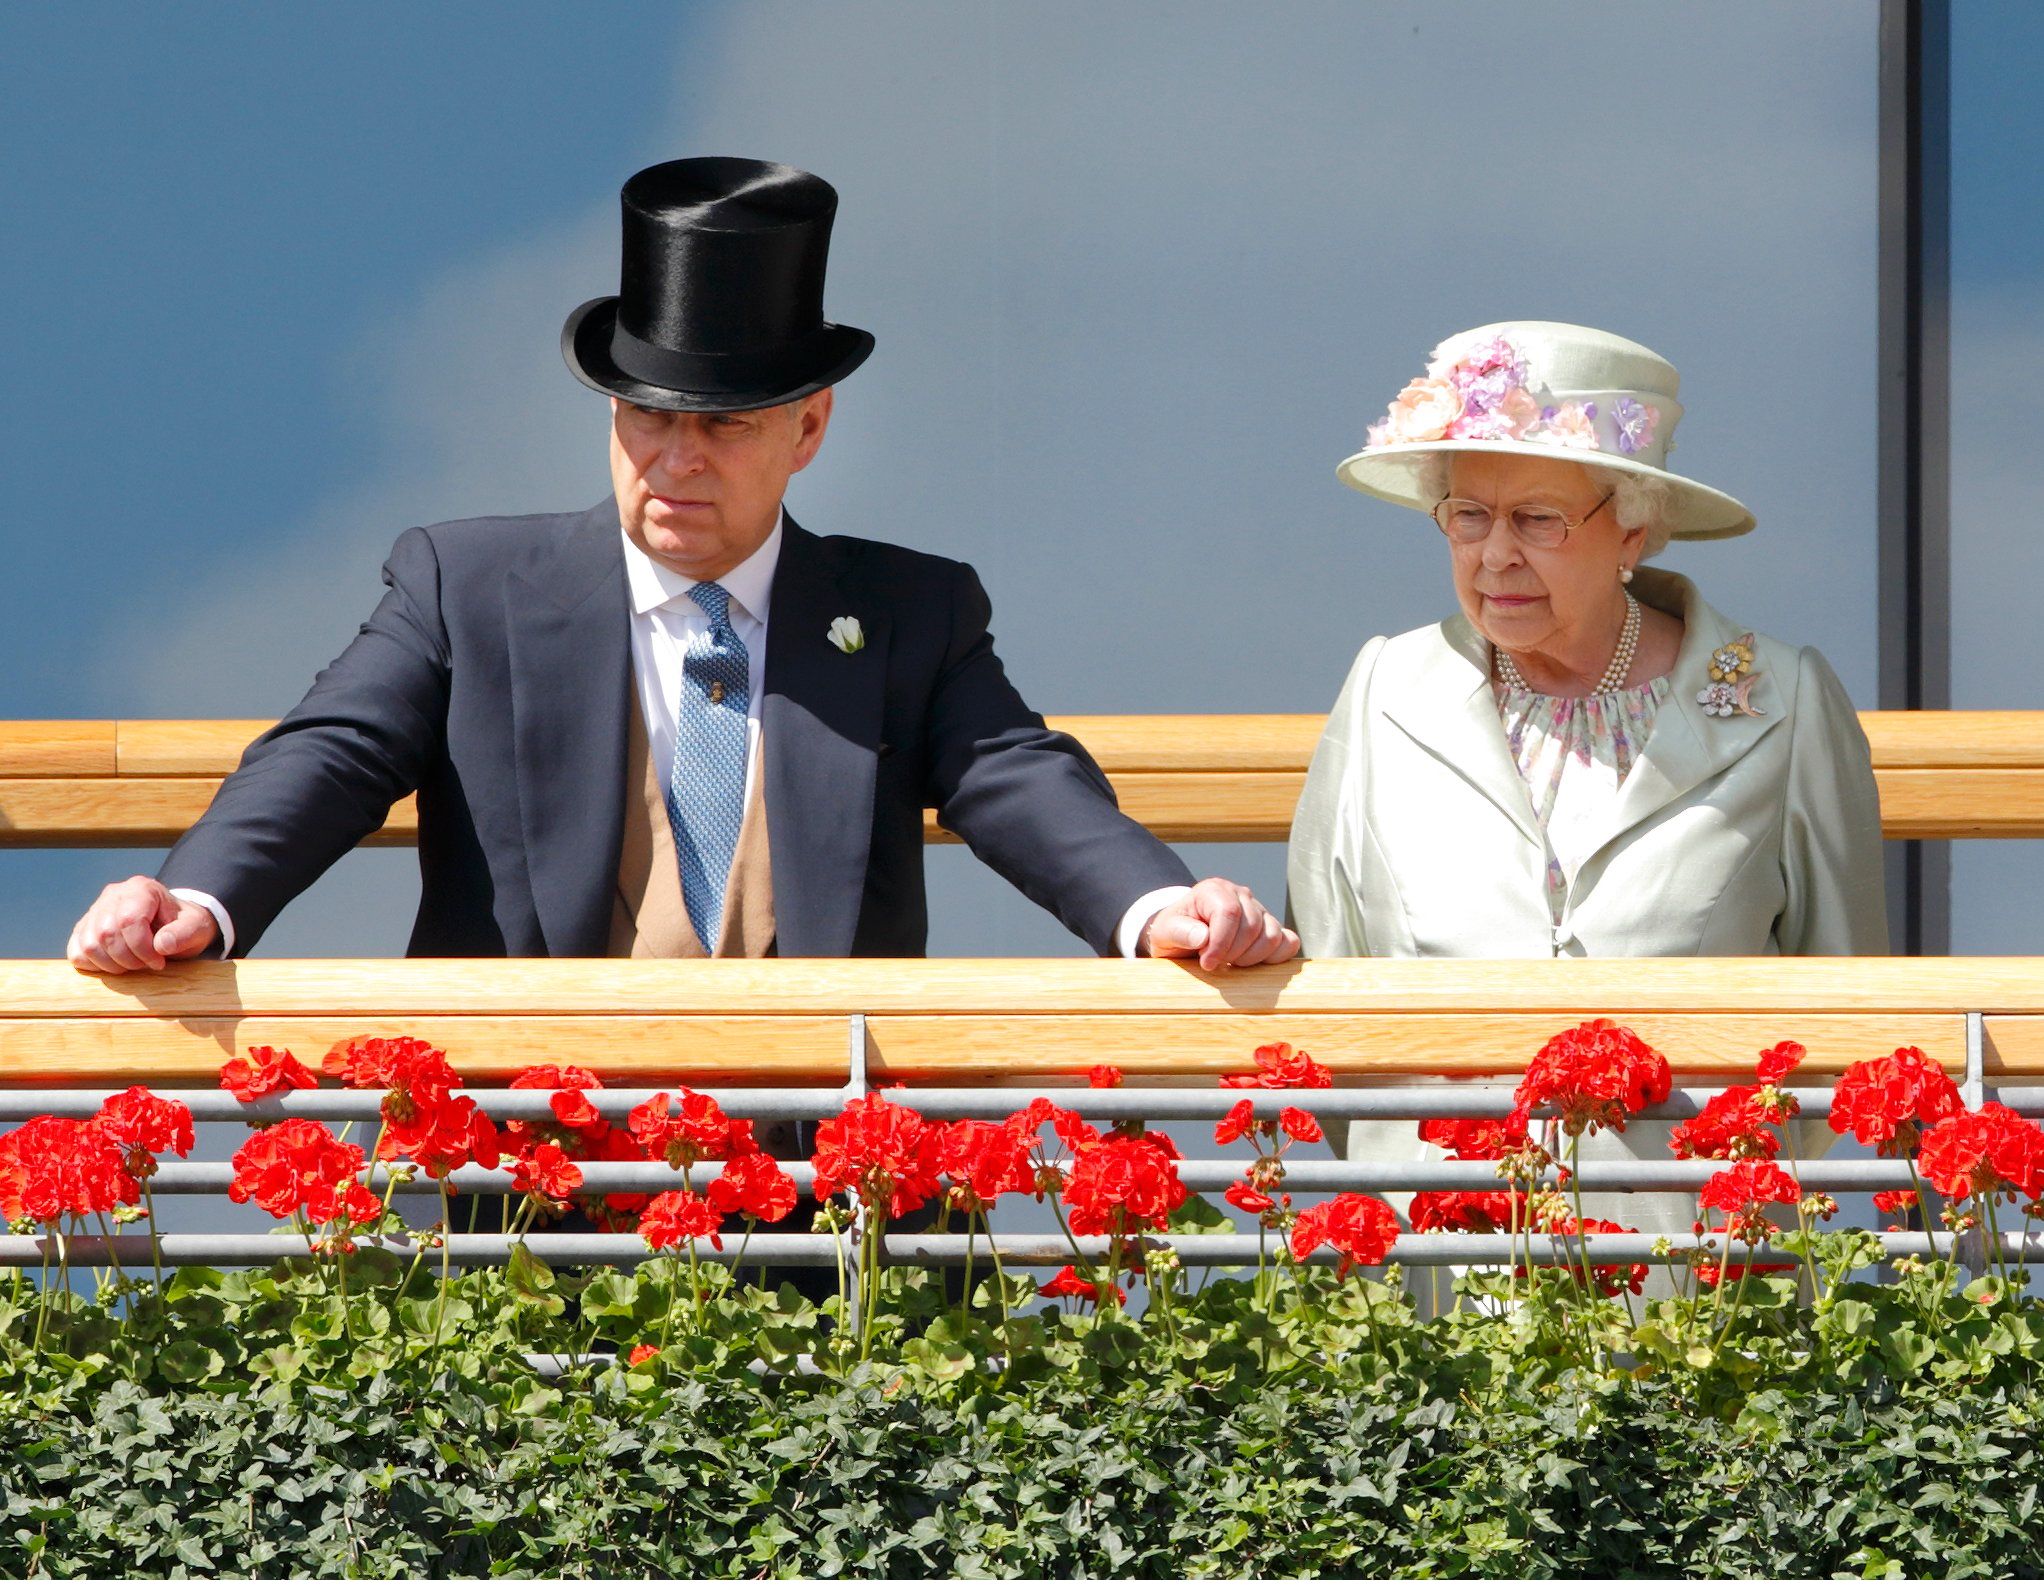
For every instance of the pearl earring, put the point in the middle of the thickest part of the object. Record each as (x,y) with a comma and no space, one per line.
(1625,573)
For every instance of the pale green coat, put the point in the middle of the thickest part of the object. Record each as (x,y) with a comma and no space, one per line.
(1415,836)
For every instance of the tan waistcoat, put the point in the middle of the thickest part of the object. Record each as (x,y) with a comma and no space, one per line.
(649,920)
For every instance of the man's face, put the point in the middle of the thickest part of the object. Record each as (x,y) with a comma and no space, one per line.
(700,491)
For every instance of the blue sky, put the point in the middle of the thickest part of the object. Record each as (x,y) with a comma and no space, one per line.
(281,283)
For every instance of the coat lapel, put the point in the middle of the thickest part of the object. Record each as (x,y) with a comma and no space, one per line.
(820,733)
(568,635)
(1687,746)
(1446,705)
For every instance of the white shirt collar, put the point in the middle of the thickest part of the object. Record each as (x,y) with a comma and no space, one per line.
(750,583)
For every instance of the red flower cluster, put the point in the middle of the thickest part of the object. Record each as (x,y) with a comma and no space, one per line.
(1779,1062)
(1990,1153)
(1361,1228)
(1277,1065)
(143,1125)
(1068,1285)
(579,1132)
(1241,1120)
(694,1130)
(1470,1211)
(1594,1075)
(677,1215)
(1742,1193)
(55,1168)
(1733,1124)
(982,1161)
(1894,1202)
(1103,1075)
(545,1171)
(1884,1101)
(1123,1185)
(889,1157)
(1476,1140)
(423,1118)
(257,1072)
(1710,1274)
(299,1166)
(754,1185)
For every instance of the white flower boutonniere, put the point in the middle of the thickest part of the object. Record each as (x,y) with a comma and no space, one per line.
(846,634)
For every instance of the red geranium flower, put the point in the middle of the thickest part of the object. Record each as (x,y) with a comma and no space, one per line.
(889,1157)
(642,1353)
(440,1136)
(754,1185)
(1103,1075)
(1361,1228)
(1708,1272)
(1894,1202)
(1123,1185)
(1742,1193)
(677,1215)
(983,1162)
(1469,1211)
(1069,1285)
(1595,1075)
(1732,1125)
(576,1121)
(1609,1279)
(1779,1062)
(299,1166)
(1992,1152)
(1236,1123)
(1277,1065)
(1244,1196)
(53,1168)
(257,1072)
(544,1170)
(1475,1140)
(695,1130)
(144,1124)
(416,1074)
(1884,1101)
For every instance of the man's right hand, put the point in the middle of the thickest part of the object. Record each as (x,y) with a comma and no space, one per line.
(139,925)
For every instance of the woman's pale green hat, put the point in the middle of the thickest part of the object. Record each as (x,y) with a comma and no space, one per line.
(1560,391)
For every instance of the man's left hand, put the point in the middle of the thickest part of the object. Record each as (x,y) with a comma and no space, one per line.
(1223,924)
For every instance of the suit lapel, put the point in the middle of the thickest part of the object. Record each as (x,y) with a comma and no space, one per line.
(820,732)
(1445,703)
(1687,746)
(568,636)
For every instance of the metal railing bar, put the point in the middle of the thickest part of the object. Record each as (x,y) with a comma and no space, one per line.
(1302,1175)
(1453,1101)
(817,1250)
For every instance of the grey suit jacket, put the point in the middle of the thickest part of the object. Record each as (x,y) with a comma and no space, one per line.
(494,680)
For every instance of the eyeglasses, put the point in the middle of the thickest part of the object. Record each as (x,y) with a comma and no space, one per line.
(1538,526)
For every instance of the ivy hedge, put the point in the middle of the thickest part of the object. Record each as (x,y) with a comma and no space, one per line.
(1240,1431)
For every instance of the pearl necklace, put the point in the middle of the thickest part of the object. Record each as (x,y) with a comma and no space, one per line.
(1613,678)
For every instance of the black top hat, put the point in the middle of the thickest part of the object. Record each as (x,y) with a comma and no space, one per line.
(720,300)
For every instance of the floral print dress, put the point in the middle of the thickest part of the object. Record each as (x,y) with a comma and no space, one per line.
(1574,754)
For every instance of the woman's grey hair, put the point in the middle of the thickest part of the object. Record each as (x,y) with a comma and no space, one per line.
(1637,501)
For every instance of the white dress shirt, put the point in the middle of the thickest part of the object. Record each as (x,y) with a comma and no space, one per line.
(664,620)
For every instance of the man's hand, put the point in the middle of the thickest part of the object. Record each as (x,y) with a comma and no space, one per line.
(139,925)
(1223,924)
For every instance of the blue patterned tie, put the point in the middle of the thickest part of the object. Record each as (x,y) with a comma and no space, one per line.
(706,788)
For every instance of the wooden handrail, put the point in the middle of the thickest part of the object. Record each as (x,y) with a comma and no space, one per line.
(1036,1021)
(1189,777)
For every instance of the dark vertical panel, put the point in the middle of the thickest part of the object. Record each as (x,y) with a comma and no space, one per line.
(1915,420)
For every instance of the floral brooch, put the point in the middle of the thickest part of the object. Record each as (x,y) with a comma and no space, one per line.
(1731,681)
(846,634)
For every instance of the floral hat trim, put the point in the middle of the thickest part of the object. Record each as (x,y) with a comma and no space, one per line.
(1487,395)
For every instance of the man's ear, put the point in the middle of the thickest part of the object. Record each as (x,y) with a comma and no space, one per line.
(812,420)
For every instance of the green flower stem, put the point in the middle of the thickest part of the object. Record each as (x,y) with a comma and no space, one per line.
(1803,1217)
(155,1237)
(440,1300)
(1738,1297)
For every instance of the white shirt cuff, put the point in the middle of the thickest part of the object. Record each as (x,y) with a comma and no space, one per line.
(200,897)
(1139,915)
